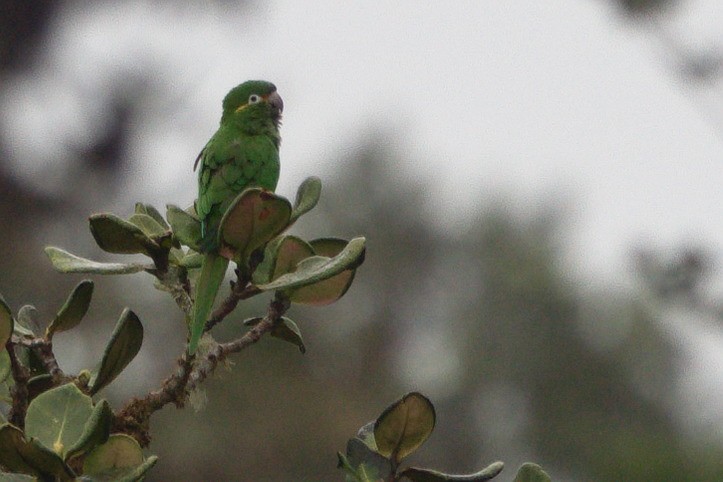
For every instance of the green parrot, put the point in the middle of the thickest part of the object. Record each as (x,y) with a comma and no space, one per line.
(243,153)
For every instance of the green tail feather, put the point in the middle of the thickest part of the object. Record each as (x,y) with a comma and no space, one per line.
(213,271)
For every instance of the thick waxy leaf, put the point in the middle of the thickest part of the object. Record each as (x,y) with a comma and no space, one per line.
(306,197)
(363,463)
(27,322)
(119,459)
(123,346)
(95,431)
(254,218)
(285,330)
(152,212)
(366,435)
(30,457)
(186,227)
(424,475)
(147,224)
(281,256)
(16,478)
(116,235)
(191,261)
(74,309)
(6,323)
(329,290)
(531,473)
(57,417)
(404,426)
(66,262)
(361,456)
(319,268)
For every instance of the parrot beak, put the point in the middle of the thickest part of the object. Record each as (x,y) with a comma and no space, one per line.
(277,105)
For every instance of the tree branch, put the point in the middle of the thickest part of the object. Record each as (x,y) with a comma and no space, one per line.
(134,417)
(19,390)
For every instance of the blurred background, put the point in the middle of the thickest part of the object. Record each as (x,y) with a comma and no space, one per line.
(540,184)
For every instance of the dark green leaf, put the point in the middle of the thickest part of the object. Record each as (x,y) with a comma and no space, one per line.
(287,330)
(119,459)
(147,224)
(74,309)
(123,346)
(57,417)
(191,261)
(530,472)
(306,197)
(66,262)
(254,218)
(319,268)
(185,226)
(404,426)
(116,235)
(95,431)
(425,475)
(30,457)
(6,323)
(152,212)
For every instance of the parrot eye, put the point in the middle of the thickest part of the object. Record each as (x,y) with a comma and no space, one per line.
(254,99)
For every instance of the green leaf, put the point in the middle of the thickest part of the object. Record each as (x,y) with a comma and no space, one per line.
(119,459)
(57,417)
(186,227)
(329,290)
(6,323)
(281,256)
(30,457)
(191,261)
(404,426)
(319,268)
(366,435)
(147,224)
(123,346)
(307,196)
(5,367)
(367,464)
(425,475)
(95,431)
(74,309)
(27,323)
(4,477)
(530,472)
(116,235)
(66,262)
(153,213)
(254,218)
(287,330)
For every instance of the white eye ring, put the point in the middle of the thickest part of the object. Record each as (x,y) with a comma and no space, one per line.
(254,99)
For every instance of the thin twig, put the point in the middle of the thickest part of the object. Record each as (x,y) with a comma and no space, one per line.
(242,290)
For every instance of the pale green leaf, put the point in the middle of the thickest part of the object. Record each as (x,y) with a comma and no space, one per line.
(66,262)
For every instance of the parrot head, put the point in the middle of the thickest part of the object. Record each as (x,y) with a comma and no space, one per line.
(254,99)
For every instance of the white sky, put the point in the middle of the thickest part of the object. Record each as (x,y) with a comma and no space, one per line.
(527,99)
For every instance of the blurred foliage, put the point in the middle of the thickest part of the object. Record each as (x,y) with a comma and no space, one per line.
(482,318)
